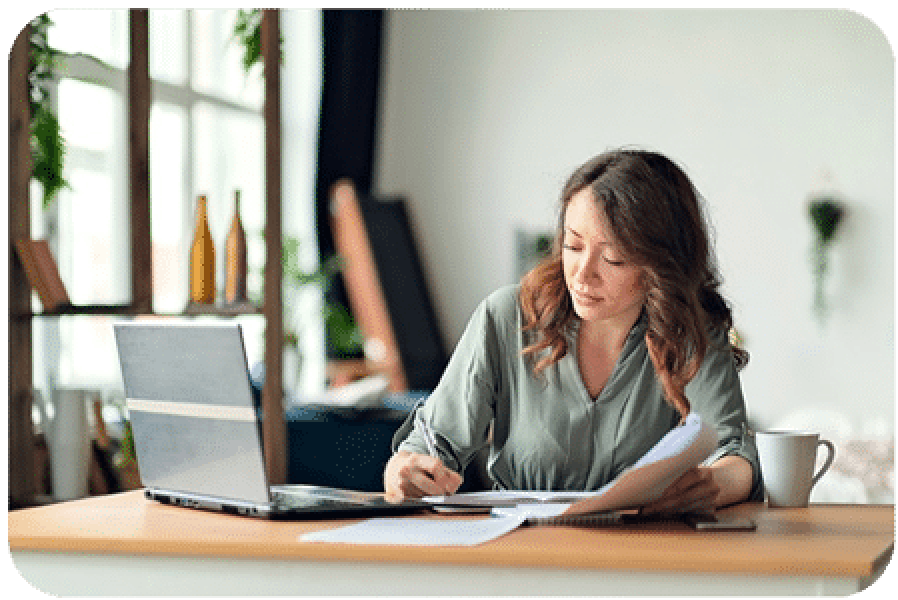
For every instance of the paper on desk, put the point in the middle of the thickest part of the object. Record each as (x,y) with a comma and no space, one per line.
(679,450)
(530,510)
(418,532)
(684,447)
(506,497)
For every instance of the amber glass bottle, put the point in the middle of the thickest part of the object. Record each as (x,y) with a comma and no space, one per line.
(202,258)
(235,258)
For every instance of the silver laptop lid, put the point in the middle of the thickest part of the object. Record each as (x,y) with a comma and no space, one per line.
(191,408)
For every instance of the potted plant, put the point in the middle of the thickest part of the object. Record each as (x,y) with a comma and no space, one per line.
(826,213)
(344,334)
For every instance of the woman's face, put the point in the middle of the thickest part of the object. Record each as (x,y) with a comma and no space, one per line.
(603,287)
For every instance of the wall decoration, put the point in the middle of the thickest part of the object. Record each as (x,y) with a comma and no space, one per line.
(531,247)
(826,213)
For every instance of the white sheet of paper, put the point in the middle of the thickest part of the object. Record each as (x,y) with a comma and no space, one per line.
(523,511)
(417,531)
(506,497)
(681,449)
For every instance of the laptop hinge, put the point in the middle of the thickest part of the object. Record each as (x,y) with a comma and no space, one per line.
(226,505)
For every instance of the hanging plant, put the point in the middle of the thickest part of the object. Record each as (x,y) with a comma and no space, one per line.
(826,213)
(248,33)
(47,143)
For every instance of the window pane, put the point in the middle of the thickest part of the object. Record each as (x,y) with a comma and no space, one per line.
(102,34)
(168,189)
(92,224)
(84,115)
(93,362)
(168,46)
(217,67)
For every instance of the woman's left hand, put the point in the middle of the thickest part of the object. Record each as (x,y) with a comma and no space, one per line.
(696,490)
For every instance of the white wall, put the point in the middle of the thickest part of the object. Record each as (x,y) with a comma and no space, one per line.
(485,113)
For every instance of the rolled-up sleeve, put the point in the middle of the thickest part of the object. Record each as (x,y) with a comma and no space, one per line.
(715,393)
(461,407)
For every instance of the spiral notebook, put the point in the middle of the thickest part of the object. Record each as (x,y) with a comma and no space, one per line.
(551,514)
(606,519)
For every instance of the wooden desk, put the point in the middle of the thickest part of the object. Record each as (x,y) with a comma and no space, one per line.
(124,544)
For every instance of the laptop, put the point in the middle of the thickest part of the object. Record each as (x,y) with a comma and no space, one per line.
(197,432)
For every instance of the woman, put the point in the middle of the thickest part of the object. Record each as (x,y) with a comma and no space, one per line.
(601,350)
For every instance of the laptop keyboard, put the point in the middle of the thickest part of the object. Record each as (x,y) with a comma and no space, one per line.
(288,500)
(303,496)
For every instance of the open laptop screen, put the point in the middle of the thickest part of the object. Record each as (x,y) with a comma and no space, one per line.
(190,404)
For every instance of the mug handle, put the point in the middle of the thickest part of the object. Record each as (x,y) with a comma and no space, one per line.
(829,460)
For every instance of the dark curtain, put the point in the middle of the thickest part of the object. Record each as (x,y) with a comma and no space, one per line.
(348,121)
(349,95)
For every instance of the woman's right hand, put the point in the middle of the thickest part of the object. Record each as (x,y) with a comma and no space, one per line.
(409,475)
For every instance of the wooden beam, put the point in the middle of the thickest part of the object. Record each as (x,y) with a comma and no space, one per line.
(139,100)
(274,429)
(21,438)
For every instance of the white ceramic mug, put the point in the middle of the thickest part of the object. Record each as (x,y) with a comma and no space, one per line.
(787,465)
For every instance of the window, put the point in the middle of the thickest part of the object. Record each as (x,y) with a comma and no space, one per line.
(206,137)
(206,116)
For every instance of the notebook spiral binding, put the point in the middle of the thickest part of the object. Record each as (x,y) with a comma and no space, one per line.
(605,519)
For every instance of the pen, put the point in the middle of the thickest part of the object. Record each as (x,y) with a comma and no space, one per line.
(428,434)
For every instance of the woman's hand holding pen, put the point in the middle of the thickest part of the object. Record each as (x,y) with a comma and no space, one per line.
(410,475)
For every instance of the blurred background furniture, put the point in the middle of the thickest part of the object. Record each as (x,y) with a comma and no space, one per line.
(387,288)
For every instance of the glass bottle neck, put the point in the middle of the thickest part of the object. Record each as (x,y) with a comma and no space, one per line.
(201,208)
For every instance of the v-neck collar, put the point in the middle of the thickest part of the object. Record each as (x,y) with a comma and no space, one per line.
(635,335)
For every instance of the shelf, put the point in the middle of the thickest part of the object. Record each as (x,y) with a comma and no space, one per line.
(222,310)
(83,309)
(192,310)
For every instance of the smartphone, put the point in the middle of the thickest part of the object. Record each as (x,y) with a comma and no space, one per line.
(709,522)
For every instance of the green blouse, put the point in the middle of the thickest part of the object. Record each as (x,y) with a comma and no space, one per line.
(548,433)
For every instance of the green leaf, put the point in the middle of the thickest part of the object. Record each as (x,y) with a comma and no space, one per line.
(47,144)
(48,154)
(826,213)
(345,335)
(248,33)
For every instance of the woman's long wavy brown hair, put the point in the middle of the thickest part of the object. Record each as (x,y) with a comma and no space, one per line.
(655,217)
